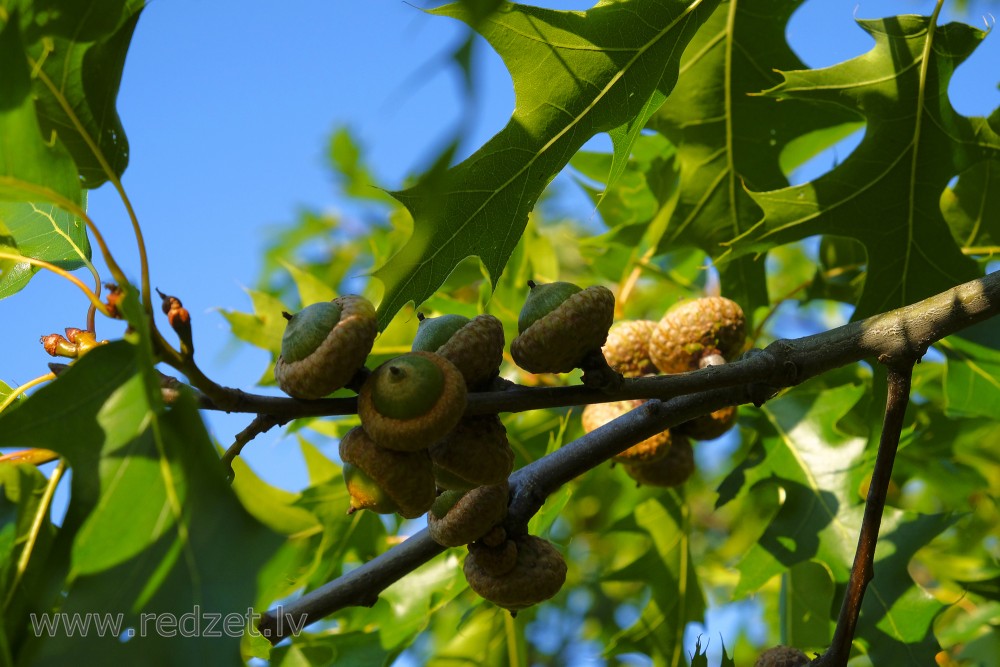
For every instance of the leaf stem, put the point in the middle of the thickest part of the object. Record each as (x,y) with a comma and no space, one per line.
(95,300)
(115,181)
(36,527)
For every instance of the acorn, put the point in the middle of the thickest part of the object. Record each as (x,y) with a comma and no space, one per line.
(412,401)
(475,453)
(536,575)
(560,324)
(383,480)
(596,415)
(627,348)
(673,469)
(324,345)
(710,426)
(459,517)
(475,346)
(782,656)
(695,328)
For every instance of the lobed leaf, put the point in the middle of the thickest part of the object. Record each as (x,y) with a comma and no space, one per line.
(727,139)
(575,74)
(886,193)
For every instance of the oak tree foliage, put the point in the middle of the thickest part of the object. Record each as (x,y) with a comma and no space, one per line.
(709,112)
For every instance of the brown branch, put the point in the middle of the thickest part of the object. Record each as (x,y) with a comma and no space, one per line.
(260,424)
(530,486)
(896,338)
(864,558)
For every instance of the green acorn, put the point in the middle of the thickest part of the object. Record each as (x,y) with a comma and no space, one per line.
(383,480)
(560,324)
(696,328)
(410,402)
(460,517)
(538,572)
(475,346)
(324,345)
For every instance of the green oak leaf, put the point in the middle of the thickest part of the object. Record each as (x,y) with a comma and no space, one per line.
(78,50)
(667,568)
(810,455)
(897,615)
(972,208)
(32,168)
(727,138)
(886,193)
(810,458)
(575,75)
(152,527)
(40,231)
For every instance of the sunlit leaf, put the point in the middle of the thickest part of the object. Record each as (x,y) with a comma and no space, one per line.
(914,144)
(575,74)
(40,231)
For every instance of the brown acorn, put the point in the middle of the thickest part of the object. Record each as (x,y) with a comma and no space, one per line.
(324,345)
(475,346)
(384,480)
(627,348)
(782,656)
(412,401)
(695,328)
(475,453)
(672,470)
(596,415)
(710,426)
(537,574)
(560,324)
(460,517)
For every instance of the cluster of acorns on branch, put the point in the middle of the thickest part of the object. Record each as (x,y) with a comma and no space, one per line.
(415,452)
(693,334)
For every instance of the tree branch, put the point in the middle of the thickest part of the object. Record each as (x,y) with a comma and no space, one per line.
(905,333)
(863,569)
(895,338)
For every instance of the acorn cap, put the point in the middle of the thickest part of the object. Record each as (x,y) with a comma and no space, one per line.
(475,346)
(672,470)
(470,516)
(782,656)
(492,559)
(475,453)
(384,480)
(627,348)
(313,364)
(537,575)
(596,415)
(557,341)
(694,328)
(412,401)
(710,426)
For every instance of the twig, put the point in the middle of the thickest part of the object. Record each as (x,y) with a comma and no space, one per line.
(895,339)
(260,424)
(864,558)
(530,486)
(901,334)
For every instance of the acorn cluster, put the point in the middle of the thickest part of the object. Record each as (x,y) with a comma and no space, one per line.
(416,451)
(692,334)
